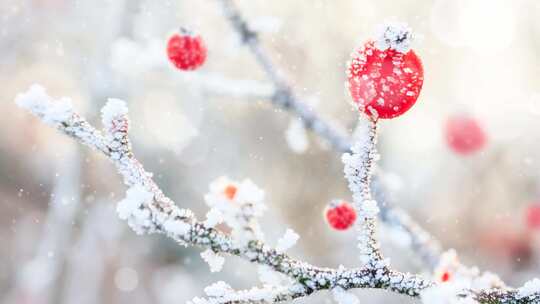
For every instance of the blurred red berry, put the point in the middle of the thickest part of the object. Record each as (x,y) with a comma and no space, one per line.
(386,82)
(464,135)
(445,277)
(533,216)
(340,215)
(186,51)
(230,191)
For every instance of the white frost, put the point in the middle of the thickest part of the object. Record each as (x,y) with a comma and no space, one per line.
(287,241)
(37,101)
(213,217)
(531,287)
(394,35)
(176,227)
(135,197)
(214,260)
(113,109)
(218,289)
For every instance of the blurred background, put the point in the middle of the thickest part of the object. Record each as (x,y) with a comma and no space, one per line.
(61,241)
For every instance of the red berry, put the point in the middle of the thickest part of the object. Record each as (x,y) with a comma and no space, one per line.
(340,215)
(230,191)
(186,51)
(445,277)
(464,135)
(533,216)
(384,84)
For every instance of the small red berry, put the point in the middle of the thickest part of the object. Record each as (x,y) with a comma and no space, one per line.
(340,215)
(186,51)
(464,135)
(533,216)
(445,277)
(384,76)
(230,191)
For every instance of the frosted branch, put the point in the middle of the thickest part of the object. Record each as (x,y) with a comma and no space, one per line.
(358,171)
(148,210)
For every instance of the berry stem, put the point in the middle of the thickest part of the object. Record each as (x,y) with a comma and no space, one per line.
(358,170)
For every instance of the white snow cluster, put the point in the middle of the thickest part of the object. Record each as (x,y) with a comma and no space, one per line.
(529,288)
(287,241)
(214,260)
(296,136)
(213,217)
(344,297)
(222,293)
(394,35)
(237,204)
(218,289)
(176,227)
(37,101)
(114,109)
(130,208)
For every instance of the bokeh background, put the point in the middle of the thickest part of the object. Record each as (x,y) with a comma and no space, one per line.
(61,241)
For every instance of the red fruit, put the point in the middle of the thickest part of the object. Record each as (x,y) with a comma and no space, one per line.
(533,216)
(464,135)
(340,215)
(445,277)
(384,84)
(186,51)
(230,191)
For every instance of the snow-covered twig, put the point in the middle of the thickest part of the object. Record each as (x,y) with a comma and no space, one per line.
(148,210)
(358,171)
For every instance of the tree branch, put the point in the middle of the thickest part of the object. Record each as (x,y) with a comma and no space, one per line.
(148,210)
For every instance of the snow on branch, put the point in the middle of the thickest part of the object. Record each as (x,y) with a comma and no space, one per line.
(148,210)
(358,171)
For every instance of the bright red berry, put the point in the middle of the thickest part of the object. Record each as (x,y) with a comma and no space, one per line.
(340,215)
(384,76)
(186,50)
(464,135)
(532,216)
(445,277)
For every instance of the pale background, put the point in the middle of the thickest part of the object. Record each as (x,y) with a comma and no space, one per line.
(480,57)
